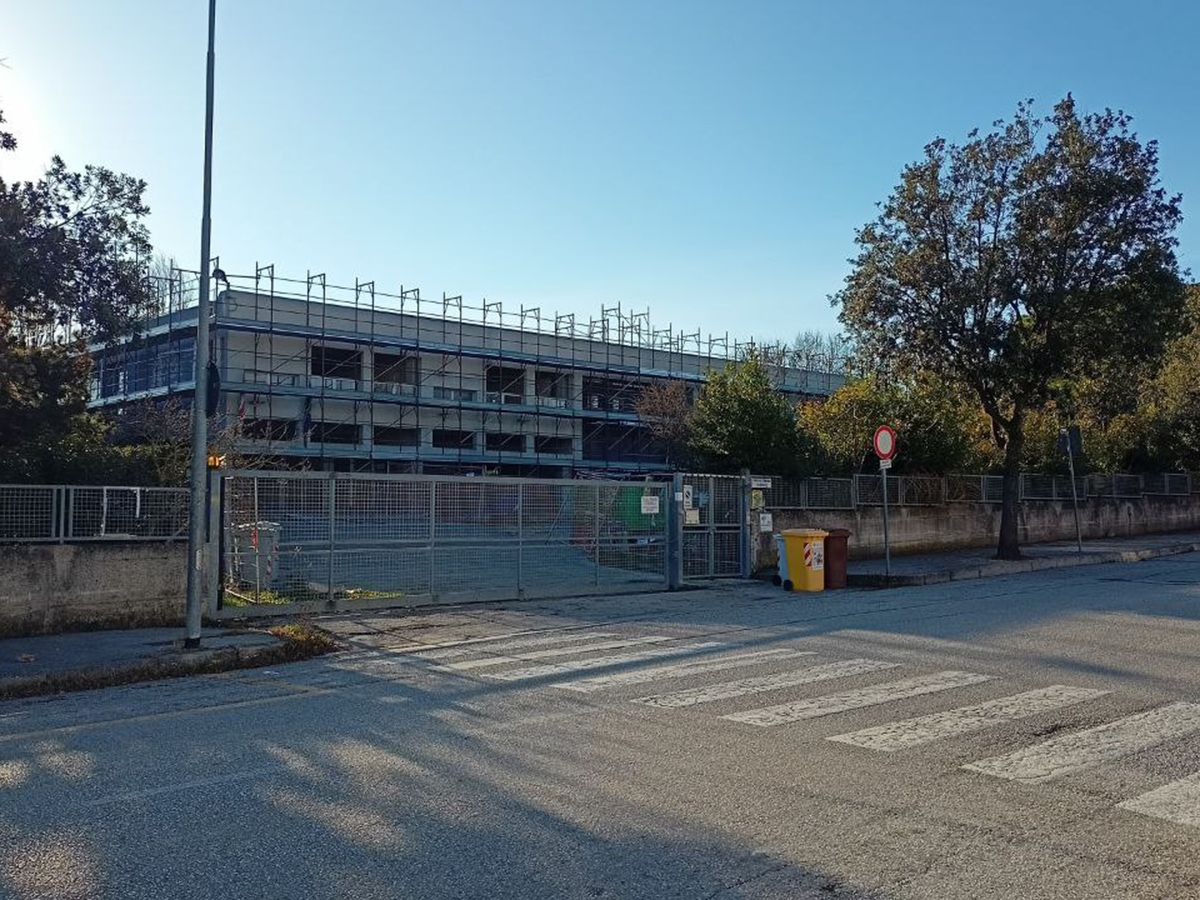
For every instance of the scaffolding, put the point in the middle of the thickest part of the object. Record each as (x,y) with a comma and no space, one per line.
(355,378)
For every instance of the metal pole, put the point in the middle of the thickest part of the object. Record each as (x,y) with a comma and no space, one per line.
(520,540)
(199,474)
(1074,496)
(887,546)
(674,552)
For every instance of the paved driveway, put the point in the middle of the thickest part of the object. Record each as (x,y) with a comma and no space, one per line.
(1034,736)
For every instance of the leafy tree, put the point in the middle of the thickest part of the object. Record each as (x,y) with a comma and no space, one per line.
(741,421)
(71,248)
(1018,260)
(666,409)
(940,429)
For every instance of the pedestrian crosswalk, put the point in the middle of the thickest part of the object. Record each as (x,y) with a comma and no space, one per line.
(611,665)
(815,707)
(908,733)
(1082,749)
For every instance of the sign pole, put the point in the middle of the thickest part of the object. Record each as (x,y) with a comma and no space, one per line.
(884,443)
(887,545)
(1074,494)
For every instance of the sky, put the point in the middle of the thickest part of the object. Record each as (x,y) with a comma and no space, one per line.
(710,161)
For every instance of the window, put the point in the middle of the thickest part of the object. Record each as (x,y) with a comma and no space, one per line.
(392,368)
(504,385)
(620,443)
(498,441)
(609,394)
(450,393)
(557,446)
(445,439)
(553,384)
(269,429)
(329,433)
(393,436)
(335,362)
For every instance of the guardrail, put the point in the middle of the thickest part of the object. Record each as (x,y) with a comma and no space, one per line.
(937,490)
(64,513)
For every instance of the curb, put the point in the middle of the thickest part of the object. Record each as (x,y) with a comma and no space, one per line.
(1017,567)
(179,664)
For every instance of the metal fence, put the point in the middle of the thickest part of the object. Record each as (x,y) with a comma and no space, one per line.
(936,490)
(59,513)
(346,540)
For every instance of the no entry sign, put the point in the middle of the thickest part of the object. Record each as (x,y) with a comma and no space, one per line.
(885,442)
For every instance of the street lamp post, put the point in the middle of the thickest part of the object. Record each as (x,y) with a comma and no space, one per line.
(199,473)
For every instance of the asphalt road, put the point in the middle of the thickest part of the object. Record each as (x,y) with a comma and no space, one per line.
(1026,737)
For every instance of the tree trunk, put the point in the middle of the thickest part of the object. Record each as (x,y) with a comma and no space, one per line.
(1009,547)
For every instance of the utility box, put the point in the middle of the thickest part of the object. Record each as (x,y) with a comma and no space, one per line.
(806,558)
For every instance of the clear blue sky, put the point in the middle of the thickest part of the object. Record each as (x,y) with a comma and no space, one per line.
(710,160)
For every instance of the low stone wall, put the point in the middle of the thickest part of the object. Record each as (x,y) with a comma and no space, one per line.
(924,529)
(61,587)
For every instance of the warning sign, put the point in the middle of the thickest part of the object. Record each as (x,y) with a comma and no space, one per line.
(814,556)
(650,504)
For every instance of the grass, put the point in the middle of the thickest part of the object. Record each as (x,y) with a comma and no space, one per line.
(300,593)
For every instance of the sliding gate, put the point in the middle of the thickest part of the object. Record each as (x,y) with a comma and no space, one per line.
(714,520)
(323,540)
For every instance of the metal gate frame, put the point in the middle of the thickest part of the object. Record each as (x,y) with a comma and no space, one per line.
(425,539)
(717,544)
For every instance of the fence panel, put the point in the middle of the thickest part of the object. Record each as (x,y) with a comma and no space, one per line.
(921,490)
(30,512)
(320,540)
(868,490)
(68,513)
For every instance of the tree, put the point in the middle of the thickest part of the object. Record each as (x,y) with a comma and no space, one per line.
(741,421)
(817,351)
(940,429)
(72,246)
(666,409)
(1018,260)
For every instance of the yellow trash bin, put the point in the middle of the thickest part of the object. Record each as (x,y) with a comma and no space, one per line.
(806,558)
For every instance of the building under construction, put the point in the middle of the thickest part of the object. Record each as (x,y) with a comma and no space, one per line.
(357,379)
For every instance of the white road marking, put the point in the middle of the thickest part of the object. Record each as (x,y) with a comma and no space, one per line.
(503,646)
(486,661)
(598,662)
(874,695)
(923,729)
(1081,749)
(727,690)
(680,669)
(1177,802)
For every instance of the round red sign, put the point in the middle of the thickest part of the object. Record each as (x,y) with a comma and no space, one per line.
(885,442)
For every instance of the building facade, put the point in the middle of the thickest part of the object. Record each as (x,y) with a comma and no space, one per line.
(349,379)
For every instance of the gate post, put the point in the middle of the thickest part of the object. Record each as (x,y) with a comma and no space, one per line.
(675,534)
(332,527)
(216,532)
(746,542)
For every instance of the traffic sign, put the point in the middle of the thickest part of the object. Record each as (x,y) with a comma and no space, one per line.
(885,442)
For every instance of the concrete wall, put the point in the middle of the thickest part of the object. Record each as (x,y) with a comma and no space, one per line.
(922,529)
(60,587)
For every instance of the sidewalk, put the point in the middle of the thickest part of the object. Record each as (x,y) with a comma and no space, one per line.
(50,663)
(958,565)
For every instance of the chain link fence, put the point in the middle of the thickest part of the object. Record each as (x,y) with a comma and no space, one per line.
(340,540)
(71,513)
(937,490)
